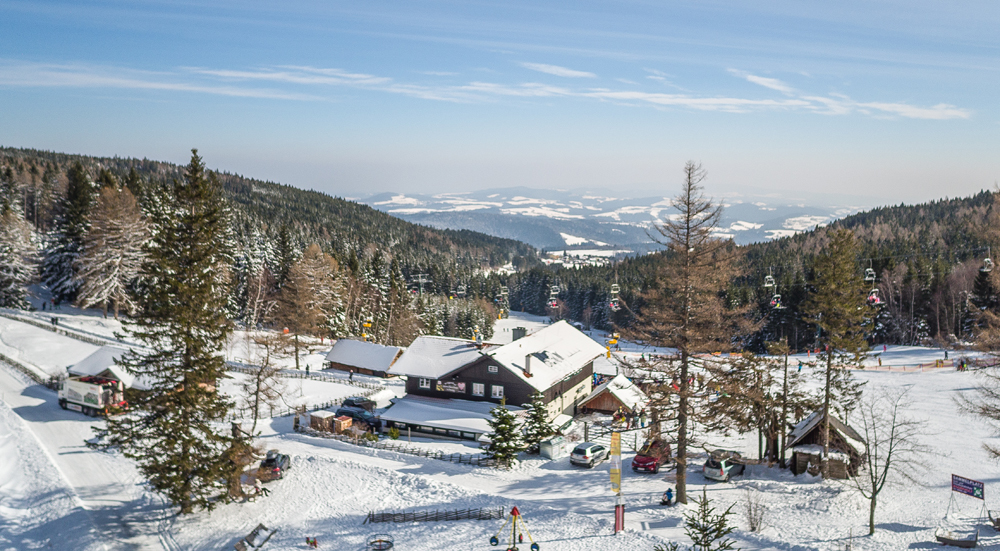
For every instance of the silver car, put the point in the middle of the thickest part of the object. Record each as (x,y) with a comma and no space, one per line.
(589,454)
(723,464)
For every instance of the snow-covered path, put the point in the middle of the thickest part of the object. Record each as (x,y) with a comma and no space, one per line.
(126,516)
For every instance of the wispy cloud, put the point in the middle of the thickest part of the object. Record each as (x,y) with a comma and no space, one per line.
(772,83)
(557,70)
(306,83)
(90,76)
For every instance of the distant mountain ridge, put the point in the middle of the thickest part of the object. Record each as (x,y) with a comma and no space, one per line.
(559,220)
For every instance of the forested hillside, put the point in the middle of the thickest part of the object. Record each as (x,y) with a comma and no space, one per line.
(926,259)
(60,210)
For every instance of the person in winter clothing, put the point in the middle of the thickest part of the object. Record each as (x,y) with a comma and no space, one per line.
(668,497)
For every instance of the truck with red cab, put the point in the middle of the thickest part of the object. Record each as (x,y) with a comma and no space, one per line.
(92,395)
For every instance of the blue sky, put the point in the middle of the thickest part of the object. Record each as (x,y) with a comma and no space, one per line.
(893,101)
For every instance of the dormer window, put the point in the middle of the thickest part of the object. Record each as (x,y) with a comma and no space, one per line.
(493,369)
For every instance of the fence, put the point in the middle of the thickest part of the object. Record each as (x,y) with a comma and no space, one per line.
(436,516)
(474,459)
(23,369)
(71,333)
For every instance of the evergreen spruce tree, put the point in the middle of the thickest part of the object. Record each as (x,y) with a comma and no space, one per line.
(505,438)
(17,258)
(537,427)
(172,430)
(707,530)
(66,245)
(837,307)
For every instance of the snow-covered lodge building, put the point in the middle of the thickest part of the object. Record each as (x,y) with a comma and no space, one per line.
(616,393)
(557,361)
(365,358)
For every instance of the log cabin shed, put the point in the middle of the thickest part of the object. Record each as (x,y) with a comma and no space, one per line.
(366,358)
(557,361)
(847,447)
(617,393)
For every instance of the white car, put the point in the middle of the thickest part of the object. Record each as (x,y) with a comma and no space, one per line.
(589,454)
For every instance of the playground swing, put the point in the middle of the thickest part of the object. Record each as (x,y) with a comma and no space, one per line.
(517,531)
(966,538)
(379,542)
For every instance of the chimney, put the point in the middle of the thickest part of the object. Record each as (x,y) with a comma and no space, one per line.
(519,333)
(527,365)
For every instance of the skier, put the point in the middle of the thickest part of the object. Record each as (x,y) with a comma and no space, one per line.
(351,376)
(668,497)
(800,366)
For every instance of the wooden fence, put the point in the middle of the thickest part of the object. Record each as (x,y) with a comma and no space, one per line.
(436,516)
(474,459)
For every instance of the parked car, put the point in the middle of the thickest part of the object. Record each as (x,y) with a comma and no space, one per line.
(652,455)
(588,454)
(723,464)
(366,404)
(360,415)
(274,465)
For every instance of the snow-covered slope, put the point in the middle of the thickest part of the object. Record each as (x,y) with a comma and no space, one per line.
(555,220)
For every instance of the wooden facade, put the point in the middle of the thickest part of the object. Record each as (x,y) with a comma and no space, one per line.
(845,459)
(356,369)
(462,384)
(605,402)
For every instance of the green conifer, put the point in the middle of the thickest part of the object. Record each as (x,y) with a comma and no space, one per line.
(707,530)
(172,430)
(505,438)
(537,427)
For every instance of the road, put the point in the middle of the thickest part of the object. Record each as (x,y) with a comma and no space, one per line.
(127,516)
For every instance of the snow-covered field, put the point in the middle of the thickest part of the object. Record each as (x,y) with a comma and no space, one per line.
(53,490)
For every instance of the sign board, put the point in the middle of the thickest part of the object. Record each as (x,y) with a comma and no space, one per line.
(967,486)
(451,386)
(616,462)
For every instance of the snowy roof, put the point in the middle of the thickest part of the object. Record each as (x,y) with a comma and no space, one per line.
(557,351)
(433,357)
(366,355)
(461,415)
(322,414)
(807,425)
(623,389)
(103,363)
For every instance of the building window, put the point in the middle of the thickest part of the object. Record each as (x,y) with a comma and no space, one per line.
(478,389)
(425,383)
(497,391)
(493,369)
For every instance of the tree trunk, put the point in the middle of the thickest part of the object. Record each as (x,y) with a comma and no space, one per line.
(824,461)
(871,515)
(784,412)
(682,419)
(297,357)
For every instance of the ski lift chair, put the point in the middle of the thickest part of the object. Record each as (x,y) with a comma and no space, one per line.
(776,302)
(869,274)
(553,304)
(615,305)
(615,289)
(768,282)
(987,265)
(873,298)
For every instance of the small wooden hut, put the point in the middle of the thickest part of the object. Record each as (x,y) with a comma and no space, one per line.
(321,420)
(618,393)
(365,358)
(847,447)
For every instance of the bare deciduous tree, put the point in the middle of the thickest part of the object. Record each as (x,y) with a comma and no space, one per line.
(892,447)
(264,388)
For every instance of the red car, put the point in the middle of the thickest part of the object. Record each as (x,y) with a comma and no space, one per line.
(651,456)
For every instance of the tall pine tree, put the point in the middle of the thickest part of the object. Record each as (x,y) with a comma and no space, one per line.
(837,307)
(537,426)
(171,431)
(59,271)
